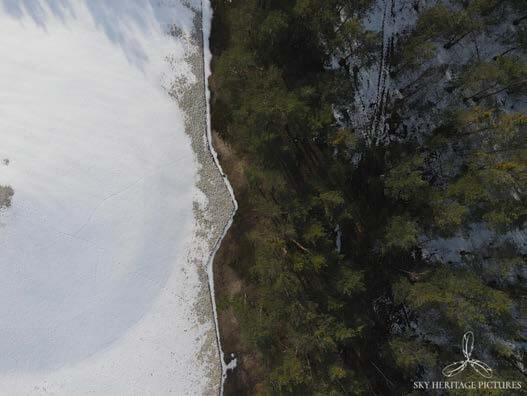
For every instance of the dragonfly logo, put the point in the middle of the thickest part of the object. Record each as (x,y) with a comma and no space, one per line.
(478,366)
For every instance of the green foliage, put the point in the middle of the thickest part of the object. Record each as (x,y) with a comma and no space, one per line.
(446,25)
(349,282)
(442,22)
(405,180)
(401,233)
(410,356)
(289,375)
(461,298)
(275,108)
(448,215)
(416,51)
(320,321)
(483,79)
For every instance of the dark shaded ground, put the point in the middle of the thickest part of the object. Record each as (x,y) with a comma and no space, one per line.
(241,380)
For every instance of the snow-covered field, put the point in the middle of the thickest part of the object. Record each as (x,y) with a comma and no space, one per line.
(117,201)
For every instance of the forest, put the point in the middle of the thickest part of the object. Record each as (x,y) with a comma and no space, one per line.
(342,207)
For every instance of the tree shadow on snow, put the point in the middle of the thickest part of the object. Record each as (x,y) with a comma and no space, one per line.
(116,18)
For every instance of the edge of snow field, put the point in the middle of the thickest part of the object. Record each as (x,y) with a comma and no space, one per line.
(206,18)
(169,340)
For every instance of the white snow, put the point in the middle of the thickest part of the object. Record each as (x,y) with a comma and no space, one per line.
(475,239)
(424,95)
(98,294)
(388,18)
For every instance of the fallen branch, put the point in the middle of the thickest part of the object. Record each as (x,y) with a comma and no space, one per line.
(301,247)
